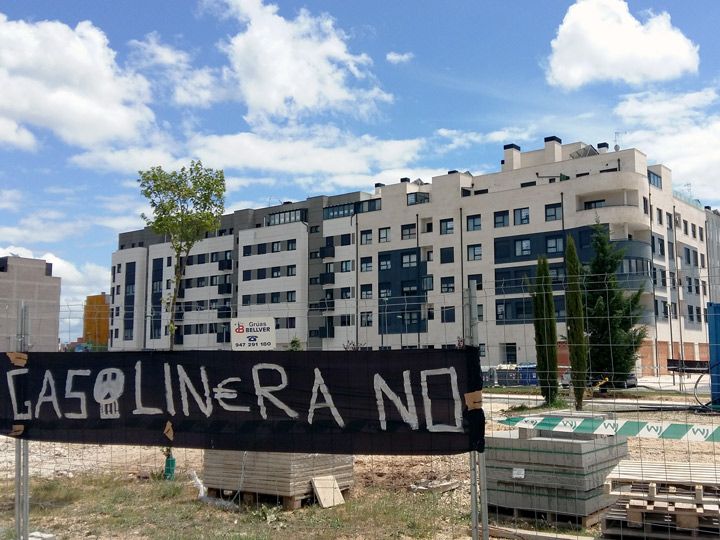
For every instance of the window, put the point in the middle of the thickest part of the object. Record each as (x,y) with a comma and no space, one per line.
(409,260)
(366,237)
(522,247)
(599,203)
(315,228)
(474,252)
(384,234)
(346,266)
(261,249)
(691,313)
(687,255)
(292,244)
(366,318)
(695,257)
(385,291)
(276,247)
(366,291)
(704,288)
(522,216)
(685,226)
(168,283)
(669,220)
(689,284)
(427,283)
(671,250)
(291,322)
(477,278)
(447,284)
(417,198)
(291,296)
(447,314)
(275,298)
(646,205)
(481,312)
(260,299)
(202,281)
(345,239)
(701,234)
(408,231)
(698,314)
(482,352)
(366,264)
(500,312)
(553,212)
(385,262)
(447,226)
(697,286)
(447,255)
(261,273)
(474,223)
(345,320)
(502,219)
(291,270)
(555,244)
(654,179)
(661,246)
(693,230)
(659,216)
(247,275)
(345,293)
(246,299)
(275,271)
(672,280)
(702,260)
(409,288)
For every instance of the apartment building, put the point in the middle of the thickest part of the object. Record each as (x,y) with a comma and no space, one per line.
(393,268)
(30,281)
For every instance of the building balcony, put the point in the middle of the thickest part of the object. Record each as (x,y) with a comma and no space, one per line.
(226,264)
(225,288)
(223,337)
(327,278)
(327,332)
(224,312)
(327,252)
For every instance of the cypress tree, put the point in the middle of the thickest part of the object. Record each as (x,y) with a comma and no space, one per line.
(612,313)
(574,304)
(545,332)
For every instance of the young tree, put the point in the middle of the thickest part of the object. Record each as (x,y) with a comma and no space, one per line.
(295,344)
(545,332)
(575,309)
(186,204)
(612,313)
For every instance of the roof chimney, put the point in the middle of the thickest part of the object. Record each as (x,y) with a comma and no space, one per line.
(553,149)
(404,179)
(379,185)
(511,155)
(602,147)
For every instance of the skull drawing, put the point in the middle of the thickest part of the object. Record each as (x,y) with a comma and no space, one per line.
(109,386)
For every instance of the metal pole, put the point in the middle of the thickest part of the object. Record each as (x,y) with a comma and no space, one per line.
(22,453)
(474,494)
(483,496)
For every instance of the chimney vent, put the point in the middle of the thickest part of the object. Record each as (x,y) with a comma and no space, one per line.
(379,184)
(404,179)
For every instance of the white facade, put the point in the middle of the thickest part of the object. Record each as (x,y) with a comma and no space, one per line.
(388,269)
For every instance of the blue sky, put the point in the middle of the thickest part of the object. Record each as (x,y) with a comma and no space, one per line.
(294,99)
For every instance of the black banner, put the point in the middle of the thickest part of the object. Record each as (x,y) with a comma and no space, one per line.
(347,402)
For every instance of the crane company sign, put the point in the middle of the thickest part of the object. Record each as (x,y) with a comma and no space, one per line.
(256,334)
(368,402)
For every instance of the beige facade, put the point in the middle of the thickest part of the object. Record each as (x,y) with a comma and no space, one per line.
(29,281)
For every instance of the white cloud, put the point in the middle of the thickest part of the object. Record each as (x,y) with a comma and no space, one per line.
(236,183)
(10,199)
(283,68)
(189,86)
(43,227)
(319,150)
(130,159)
(66,80)
(680,130)
(232,206)
(365,182)
(399,58)
(12,134)
(465,139)
(600,40)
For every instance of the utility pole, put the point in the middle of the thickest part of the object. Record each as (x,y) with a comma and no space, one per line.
(22,453)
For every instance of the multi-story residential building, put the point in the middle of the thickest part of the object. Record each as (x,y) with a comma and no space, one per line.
(392,269)
(96,321)
(30,281)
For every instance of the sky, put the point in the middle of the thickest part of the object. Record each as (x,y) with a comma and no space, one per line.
(300,98)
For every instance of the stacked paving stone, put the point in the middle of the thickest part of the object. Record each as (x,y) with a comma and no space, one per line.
(558,474)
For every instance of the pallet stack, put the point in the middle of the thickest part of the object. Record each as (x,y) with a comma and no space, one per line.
(663,500)
(284,476)
(558,478)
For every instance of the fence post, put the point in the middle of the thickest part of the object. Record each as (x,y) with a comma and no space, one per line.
(22,452)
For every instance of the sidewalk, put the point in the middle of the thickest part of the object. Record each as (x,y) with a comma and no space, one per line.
(684,383)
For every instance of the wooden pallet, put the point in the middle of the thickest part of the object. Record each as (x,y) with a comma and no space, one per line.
(636,518)
(550,517)
(708,497)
